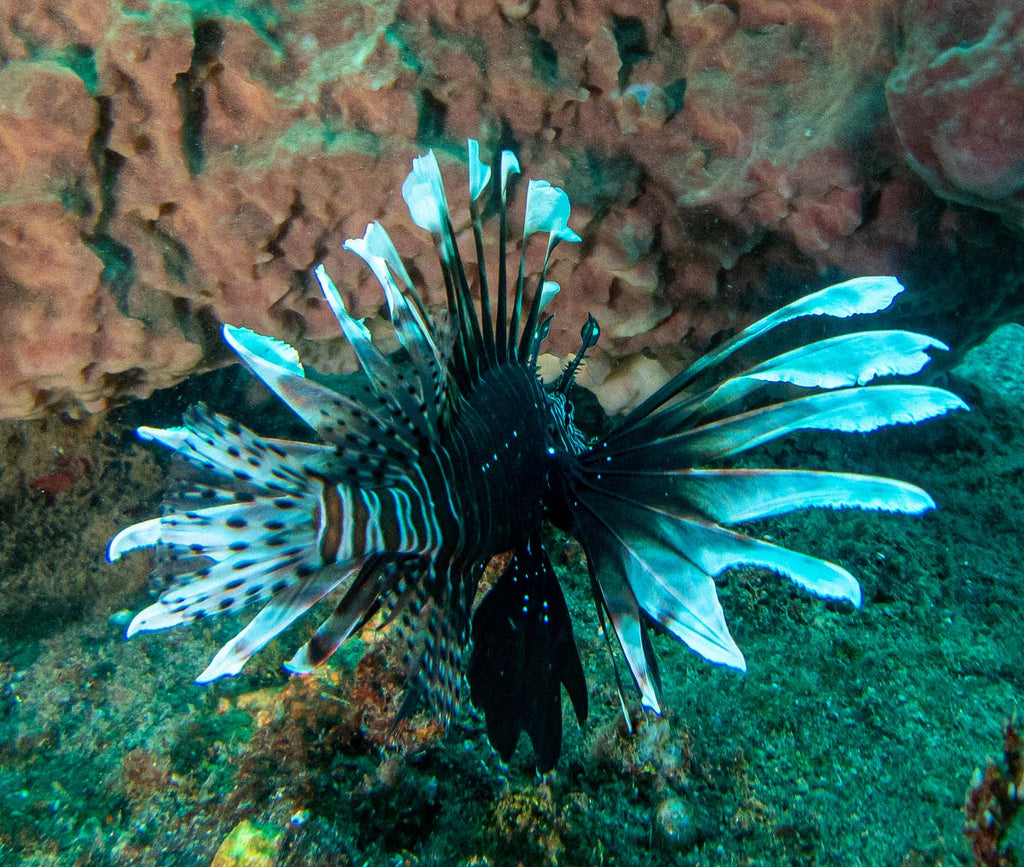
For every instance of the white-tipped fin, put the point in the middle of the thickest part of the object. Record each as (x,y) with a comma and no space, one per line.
(735,496)
(849,410)
(423,191)
(547,210)
(509,167)
(272,362)
(172,437)
(371,360)
(479,173)
(258,350)
(714,549)
(547,292)
(837,362)
(412,331)
(683,599)
(354,329)
(850,359)
(140,535)
(861,295)
(377,242)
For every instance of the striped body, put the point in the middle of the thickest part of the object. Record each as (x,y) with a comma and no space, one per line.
(353,524)
(498,452)
(481,489)
(453,452)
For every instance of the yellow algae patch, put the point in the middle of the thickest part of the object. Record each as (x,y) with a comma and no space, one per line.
(248,845)
(265,705)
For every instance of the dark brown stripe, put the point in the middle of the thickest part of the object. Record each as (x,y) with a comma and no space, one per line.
(331,538)
(360,518)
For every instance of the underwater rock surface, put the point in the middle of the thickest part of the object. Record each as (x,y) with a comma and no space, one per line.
(165,167)
(957,101)
(996,367)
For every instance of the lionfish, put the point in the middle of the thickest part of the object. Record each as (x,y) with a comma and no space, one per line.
(452,451)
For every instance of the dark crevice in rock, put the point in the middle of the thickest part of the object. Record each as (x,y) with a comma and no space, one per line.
(75,198)
(321,248)
(543,57)
(81,60)
(292,322)
(433,115)
(198,324)
(176,257)
(123,385)
(208,37)
(631,42)
(273,246)
(118,261)
(676,94)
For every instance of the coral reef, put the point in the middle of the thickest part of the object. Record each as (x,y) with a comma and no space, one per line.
(956,101)
(165,166)
(63,485)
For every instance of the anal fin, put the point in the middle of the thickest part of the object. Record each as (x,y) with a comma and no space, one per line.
(523,653)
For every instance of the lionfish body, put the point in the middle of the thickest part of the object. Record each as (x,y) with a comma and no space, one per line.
(454,452)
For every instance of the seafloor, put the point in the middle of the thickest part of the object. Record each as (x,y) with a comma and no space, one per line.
(851,740)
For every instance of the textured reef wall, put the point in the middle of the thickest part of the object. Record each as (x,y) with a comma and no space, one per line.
(165,166)
(955,100)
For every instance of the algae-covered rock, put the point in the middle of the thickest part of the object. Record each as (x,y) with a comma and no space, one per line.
(248,845)
(996,367)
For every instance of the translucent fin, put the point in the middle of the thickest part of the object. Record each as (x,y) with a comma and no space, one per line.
(850,359)
(862,295)
(423,191)
(848,410)
(359,603)
(717,549)
(261,352)
(837,362)
(410,325)
(713,549)
(612,592)
(277,616)
(354,426)
(391,386)
(222,531)
(220,445)
(228,587)
(641,549)
(734,496)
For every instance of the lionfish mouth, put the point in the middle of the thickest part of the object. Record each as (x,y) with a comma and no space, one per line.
(454,452)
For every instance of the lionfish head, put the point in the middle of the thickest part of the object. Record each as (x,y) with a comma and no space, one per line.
(453,452)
